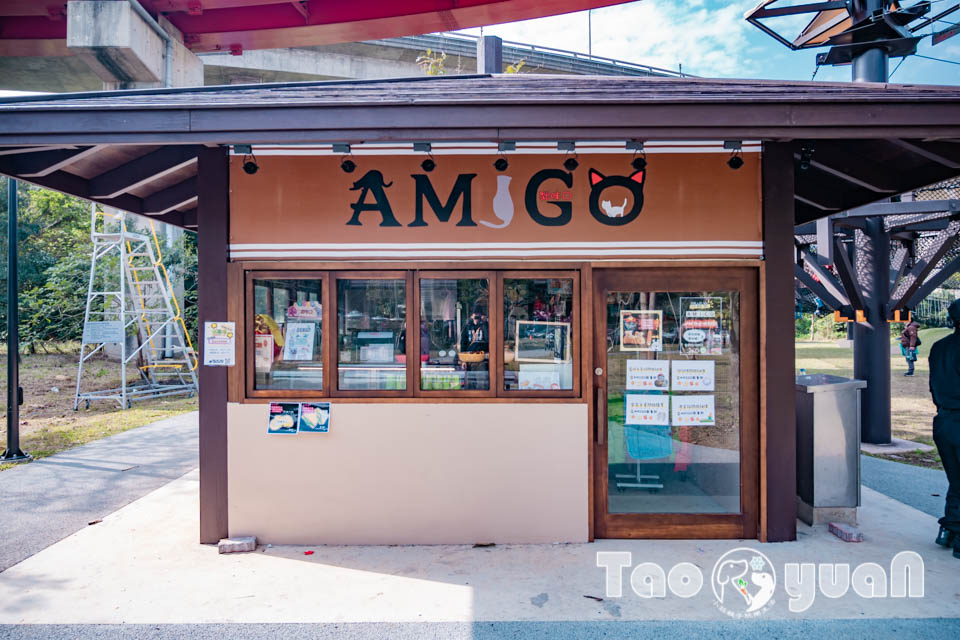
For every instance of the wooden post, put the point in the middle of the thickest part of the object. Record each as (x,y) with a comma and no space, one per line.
(777,348)
(213,214)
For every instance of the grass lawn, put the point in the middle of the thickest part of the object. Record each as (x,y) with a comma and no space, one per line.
(48,423)
(912,409)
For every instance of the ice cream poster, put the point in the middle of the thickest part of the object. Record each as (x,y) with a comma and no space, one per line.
(641,330)
(694,411)
(646,409)
(648,375)
(314,417)
(283,418)
(693,375)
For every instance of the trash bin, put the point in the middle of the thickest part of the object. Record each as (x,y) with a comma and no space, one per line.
(828,448)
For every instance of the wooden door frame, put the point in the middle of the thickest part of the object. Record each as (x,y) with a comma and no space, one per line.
(669,525)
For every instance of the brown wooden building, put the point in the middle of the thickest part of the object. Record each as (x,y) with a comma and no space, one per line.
(515,309)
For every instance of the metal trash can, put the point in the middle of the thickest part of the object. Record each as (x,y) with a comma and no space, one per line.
(828,448)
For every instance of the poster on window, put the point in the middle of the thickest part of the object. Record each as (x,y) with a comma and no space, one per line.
(646,409)
(314,417)
(538,378)
(694,411)
(219,344)
(693,375)
(701,327)
(540,341)
(283,418)
(641,330)
(263,353)
(298,341)
(648,375)
(305,310)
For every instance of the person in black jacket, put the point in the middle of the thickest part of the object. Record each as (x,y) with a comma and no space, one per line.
(475,338)
(945,389)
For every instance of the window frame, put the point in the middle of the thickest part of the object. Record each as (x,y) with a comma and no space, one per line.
(494,314)
(250,360)
(396,274)
(543,274)
(330,278)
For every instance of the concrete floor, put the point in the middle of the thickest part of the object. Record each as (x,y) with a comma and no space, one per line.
(142,565)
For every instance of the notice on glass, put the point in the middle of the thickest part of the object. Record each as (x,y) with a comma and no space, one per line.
(314,417)
(647,409)
(693,375)
(263,353)
(219,344)
(284,417)
(298,341)
(647,375)
(694,411)
(641,330)
(537,378)
(701,326)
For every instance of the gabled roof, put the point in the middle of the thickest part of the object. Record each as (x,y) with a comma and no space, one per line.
(868,141)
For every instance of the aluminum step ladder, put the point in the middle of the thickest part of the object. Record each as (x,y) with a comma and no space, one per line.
(130,293)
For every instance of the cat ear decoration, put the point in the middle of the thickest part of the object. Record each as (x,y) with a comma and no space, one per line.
(637,176)
(596,176)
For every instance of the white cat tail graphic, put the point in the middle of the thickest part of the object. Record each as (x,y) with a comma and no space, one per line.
(502,204)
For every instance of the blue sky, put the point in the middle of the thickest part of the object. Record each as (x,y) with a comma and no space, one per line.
(711,38)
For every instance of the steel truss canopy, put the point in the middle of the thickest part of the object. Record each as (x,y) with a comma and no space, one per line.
(848,27)
(239,25)
(137,150)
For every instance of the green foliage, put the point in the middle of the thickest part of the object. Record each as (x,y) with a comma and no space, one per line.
(54,266)
(824,328)
(516,67)
(432,62)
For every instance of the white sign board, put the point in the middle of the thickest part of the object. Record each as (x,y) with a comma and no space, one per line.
(648,375)
(298,341)
(694,375)
(219,344)
(647,409)
(694,411)
(103,331)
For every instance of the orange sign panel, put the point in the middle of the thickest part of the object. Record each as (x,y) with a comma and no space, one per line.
(389,207)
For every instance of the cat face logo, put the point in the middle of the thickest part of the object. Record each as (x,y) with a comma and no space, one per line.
(607,212)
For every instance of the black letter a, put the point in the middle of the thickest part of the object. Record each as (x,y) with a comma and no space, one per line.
(372,181)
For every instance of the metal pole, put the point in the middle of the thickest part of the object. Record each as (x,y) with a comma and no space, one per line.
(871,339)
(13,453)
(872,64)
(590,32)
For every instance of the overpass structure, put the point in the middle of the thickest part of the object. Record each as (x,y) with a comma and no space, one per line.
(88,45)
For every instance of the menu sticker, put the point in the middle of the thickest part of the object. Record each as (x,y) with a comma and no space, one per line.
(219,344)
(693,375)
(284,418)
(314,417)
(694,411)
(648,375)
(648,409)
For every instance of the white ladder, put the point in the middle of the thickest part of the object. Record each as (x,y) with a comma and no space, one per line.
(129,287)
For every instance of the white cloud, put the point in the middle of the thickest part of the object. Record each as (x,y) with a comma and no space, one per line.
(707,39)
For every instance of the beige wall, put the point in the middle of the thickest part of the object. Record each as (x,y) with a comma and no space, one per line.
(393,473)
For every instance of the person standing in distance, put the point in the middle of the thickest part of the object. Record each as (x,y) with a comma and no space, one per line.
(945,389)
(909,341)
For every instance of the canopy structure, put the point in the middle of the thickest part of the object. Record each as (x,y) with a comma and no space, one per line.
(137,150)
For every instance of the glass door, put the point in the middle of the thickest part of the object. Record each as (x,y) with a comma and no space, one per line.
(676,403)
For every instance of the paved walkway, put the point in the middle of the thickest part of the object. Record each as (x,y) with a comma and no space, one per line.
(47,500)
(923,489)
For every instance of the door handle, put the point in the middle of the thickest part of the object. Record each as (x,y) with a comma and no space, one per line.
(601,415)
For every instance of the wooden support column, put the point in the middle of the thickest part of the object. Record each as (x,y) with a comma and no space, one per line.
(779,441)
(213,214)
